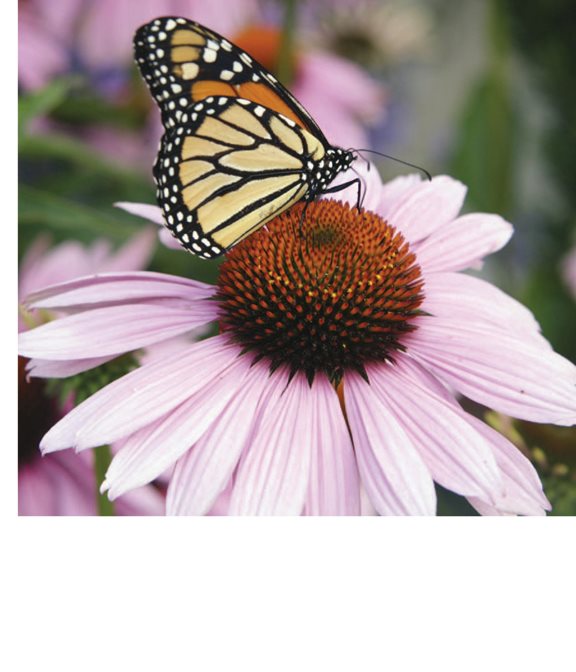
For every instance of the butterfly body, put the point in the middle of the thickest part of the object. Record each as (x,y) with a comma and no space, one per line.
(238,149)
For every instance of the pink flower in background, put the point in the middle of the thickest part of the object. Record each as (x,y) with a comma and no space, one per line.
(64,483)
(367,356)
(95,36)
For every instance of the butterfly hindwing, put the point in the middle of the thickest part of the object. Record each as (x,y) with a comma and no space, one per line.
(184,62)
(229,167)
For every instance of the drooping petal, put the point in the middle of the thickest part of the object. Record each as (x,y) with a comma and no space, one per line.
(160,446)
(141,396)
(42,368)
(133,255)
(463,243)
(272,476)
(522,486)
(458,457)
(203,472)
(504,372)
(395,477)
(426,208)
(334,486)
(107,288)
(145,210)
(472,300)
(119,329)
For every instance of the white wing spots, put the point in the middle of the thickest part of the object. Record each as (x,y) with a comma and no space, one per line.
(209,55)
(259,110)
(222,101)
(237,67)
(226,45)
(160,53)
(226,75)
(243,101)
(170,24)
(176,88)
(246,59)
(255,77)
(190,70)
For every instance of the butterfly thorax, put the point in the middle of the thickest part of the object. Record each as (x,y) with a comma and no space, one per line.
(319,174)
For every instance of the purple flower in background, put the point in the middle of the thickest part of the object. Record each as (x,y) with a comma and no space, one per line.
(345,340)
(64,484)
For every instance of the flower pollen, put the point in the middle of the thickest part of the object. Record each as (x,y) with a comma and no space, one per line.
(324,290)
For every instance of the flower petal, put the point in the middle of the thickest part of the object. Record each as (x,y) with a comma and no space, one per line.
(204,471)
(473,300)
(272,476)
(508,374)
(111,331)
(106,288)
(144,458)
(522,486)
(395,477)
(425,208)
(334,485)
(43,368)
(457,456)
(141,396)
(145,210)
(463,243)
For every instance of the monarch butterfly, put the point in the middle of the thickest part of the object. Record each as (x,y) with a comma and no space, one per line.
(238,148)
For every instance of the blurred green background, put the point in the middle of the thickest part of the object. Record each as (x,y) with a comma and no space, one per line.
(481,90)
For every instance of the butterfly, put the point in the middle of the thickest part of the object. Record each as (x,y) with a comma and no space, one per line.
(238,148)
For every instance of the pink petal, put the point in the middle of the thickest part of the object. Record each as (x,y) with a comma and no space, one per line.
(370,189)
(111,331)
(395,477)
(457,456)
(150,212)
(133,255)
(272,476)
(141,396)
(395,190)
(41,368)
(144,457)
(426,208)
(507,373)
(203,472)
(473,300)
(523,489)
(115,287)
(334,486)
(463,243)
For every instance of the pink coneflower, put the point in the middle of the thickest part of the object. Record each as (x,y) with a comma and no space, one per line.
(344,340)
(64,484)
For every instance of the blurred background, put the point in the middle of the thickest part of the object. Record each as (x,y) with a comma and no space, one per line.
(482,90)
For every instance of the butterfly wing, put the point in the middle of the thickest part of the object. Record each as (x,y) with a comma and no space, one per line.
(229,167)
(184,63)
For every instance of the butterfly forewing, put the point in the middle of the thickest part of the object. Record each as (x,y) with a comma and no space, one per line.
(184,61)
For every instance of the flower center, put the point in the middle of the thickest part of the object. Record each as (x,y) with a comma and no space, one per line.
(326,290)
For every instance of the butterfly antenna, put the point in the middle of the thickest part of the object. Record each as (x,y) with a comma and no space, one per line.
(393,158)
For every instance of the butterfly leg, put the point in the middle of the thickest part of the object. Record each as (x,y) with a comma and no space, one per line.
(345,185)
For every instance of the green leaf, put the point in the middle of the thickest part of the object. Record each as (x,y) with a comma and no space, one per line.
(43,101)
(53,212)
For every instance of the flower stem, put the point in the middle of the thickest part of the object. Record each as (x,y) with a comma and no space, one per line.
(285,61)
(102,459)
